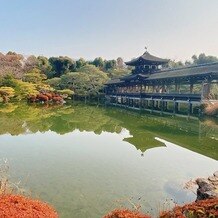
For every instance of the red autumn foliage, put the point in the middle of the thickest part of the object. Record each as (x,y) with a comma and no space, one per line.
(42,97)
(200,209)
(125,213)
(18,206)
(45,97)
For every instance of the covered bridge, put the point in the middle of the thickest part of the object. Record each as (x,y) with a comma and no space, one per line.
(152,86)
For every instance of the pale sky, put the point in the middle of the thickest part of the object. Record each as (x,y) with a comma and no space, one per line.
(174,29)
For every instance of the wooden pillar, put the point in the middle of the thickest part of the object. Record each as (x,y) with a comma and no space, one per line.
(175,107)
(146,104)
(152,105)
(140,103)
(177,88)
(162,105)
(191,88)
(189,108)
(206,89)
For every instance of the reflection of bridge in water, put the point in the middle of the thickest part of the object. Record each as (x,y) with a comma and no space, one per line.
(194,134)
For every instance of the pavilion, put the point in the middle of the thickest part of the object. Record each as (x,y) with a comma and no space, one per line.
(155,87)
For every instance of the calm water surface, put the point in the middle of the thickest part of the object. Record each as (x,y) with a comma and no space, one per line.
(87,160)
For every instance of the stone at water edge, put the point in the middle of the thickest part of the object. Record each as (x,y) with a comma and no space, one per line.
(207,188)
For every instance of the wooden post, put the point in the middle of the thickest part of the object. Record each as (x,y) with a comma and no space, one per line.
(152,105)
(191,88)
(161,105)
(189,108)
(206,89)
(166,106)
(175,107)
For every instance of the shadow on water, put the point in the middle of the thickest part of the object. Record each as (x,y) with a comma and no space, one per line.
(200,136)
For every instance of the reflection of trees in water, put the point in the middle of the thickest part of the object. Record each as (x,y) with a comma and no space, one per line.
(195,135)
(209,127)
(60,119)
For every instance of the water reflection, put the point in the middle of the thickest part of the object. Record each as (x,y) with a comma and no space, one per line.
(84,159)
(197,135)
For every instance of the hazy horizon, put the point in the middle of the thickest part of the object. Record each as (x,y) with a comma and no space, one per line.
(109,28)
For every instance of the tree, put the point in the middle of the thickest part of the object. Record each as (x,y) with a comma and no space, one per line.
(61,65)
(6,93)
(175,64)
(34,76)
(89,81)
(99,62)
(76,82)
(203,59)
(54,82)
(117,73)
(30,63)
(111,64)
(44,65)
(80,63)
(65,93)
(11,64)
(120,62)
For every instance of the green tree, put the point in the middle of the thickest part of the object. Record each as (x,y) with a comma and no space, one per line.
(175,64)
(54,82)
(61,65)
(34,76)
(203,59)
(118,72)
(44,65)
(111,64)
(89,81)
(80,63)
(99,62)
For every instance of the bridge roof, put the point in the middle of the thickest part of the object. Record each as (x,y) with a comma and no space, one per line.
(186,71)
(182,72)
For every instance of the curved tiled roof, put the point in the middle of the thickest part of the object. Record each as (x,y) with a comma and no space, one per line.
(182,72)
(147,58)
(186,71)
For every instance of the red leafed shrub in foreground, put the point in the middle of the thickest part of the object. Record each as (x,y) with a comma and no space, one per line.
(17,206)
(200,209)
(124,213)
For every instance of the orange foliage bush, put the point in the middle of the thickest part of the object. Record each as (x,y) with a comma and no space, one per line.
(200,209)
(17,206)
(124,213)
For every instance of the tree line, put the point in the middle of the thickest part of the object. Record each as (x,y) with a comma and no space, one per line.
(24,76)
(21,77)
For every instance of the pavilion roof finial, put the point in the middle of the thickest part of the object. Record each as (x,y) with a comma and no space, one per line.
(146,48)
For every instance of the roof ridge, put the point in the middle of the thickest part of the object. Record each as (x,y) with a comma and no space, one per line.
(188,67)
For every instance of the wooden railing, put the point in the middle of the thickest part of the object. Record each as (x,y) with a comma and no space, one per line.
(161,96)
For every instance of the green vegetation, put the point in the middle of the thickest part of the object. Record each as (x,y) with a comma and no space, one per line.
(22,77)
(195,60)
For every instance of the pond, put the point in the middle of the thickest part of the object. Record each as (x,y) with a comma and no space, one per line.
(87,160)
